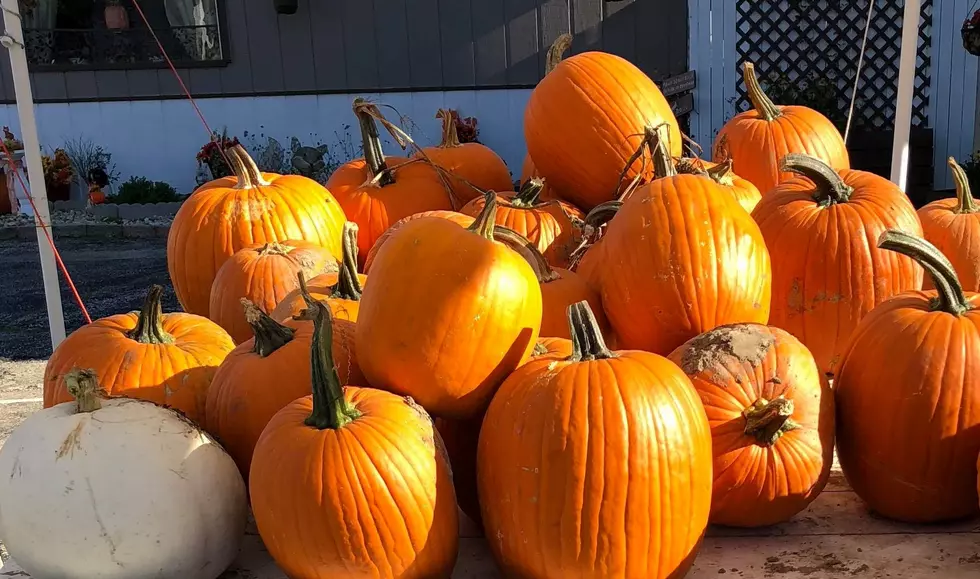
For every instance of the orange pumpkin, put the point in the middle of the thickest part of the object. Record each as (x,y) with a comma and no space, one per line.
(557,347)
(604,443)
(953,226)
(460,218)
(461,438)
(585,121)
(473,167)
(757,140)
(265,274)
(353,481)
(908,409)
(528,172)
(168,359)
(228,214)
(681,257)
(465,314)
(771,413)
(376,191)
(827,273)
(742,190)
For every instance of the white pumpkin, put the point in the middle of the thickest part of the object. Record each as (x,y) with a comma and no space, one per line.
(118,488)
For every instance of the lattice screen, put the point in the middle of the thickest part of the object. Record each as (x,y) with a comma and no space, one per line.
(793,39)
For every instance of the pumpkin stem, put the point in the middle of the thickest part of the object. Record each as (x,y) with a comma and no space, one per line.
(603,213)
(663,163)
(722,172)
(528,196)
(330,408)
(587,340)
(951,298)
(964,197)
(514,240)
(760,100)
(149,324)
(768,420)
(558,48)
(539,349)
(450,138)
(245,169)
(270,335)
(374,156)
(274,248)
(485,221)
(83,385)
(830,188)
(348,285)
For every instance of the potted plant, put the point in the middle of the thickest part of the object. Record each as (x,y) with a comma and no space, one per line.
(58,175)
(971,34)
(116,17)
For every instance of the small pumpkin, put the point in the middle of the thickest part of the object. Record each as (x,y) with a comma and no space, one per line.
(353,481)
(376,191)
(757,140)
(826,274)
(472,167)
(742,190)
(953,226)
(228,214)
(265,274)
(908,410)
(460,218)
(466,313)
(606,443)
(771,413)
(168,359)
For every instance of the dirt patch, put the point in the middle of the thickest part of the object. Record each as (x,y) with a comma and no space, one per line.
(747,343)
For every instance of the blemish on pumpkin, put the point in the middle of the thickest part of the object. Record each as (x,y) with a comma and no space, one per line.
(744,342)
(72,441)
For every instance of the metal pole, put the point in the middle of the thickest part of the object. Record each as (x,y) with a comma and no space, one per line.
(906,89)
(13,40)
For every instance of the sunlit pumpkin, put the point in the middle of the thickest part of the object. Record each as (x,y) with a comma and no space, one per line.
(953,226)
(460,218)
(742,190)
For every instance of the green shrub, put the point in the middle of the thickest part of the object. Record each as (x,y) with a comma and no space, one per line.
(142,190)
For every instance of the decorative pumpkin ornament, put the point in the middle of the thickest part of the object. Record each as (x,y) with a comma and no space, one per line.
(226,215)
(167,359)
(742,190)
(771,413)
(466,314)
(353,481)
(757,140)
(264,274)
(585,121)
(826,275)
(681,257)
(604,443)
(460,218)
(953,226)
(118,488)
(376,191)
(473,167)
(908,410)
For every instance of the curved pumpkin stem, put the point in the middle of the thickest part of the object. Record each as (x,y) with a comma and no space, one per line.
(964,197)
(768,420)
(760,100)
(348,285)
(514,240)
(663,163)
(486,220)
(374,156)
(722,172)
(951,298)
(558,48)
(83,385)
(270,335)
(245,169)
(587,340)
(528,196)
(830,188)
(450,138)
(149,324)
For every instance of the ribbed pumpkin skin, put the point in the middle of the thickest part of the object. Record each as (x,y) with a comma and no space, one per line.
(827,271)
(475,163)
(733,367)
(320,287)
(584,121)
(596,469)
(560,293)
(371,499)
(460,218)
(264,274)
(747,194)
(957,235)
(681,257)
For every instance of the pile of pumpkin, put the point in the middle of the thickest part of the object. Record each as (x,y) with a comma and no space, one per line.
(632,345)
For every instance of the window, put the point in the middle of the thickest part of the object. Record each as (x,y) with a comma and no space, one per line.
(109,34)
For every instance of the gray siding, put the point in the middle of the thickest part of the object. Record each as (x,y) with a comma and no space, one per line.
(386,45)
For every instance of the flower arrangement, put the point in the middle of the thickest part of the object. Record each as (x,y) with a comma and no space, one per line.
(58,174)
(466,129)
(210,155)
(971,34)
(11,142)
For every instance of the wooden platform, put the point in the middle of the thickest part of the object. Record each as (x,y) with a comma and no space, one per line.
(834,538)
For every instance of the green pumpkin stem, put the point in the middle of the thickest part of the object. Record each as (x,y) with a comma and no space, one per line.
(450,137)
(556,52)
(374,156)
(149,323)
(603,213)
(965,203)
(760,100)
(951,298)
(768,420)
(83,385)
(514,240)
(587,340)
(245,169)
(529,194)
(270,335)
(486,220)
(830,188)
(348,285)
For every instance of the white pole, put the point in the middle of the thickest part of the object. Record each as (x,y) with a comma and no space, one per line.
(13,40)
(906,90)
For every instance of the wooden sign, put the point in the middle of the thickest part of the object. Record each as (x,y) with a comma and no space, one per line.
(682,105)
(678,84)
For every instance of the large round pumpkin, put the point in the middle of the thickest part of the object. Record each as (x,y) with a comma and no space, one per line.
(908,406)
(353,482)
(226,215)
(376,191)
(827,272)
(953,226)
(455,217)
(771,413)
(757,140)
(604,444)
(168,359)
(449,313)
